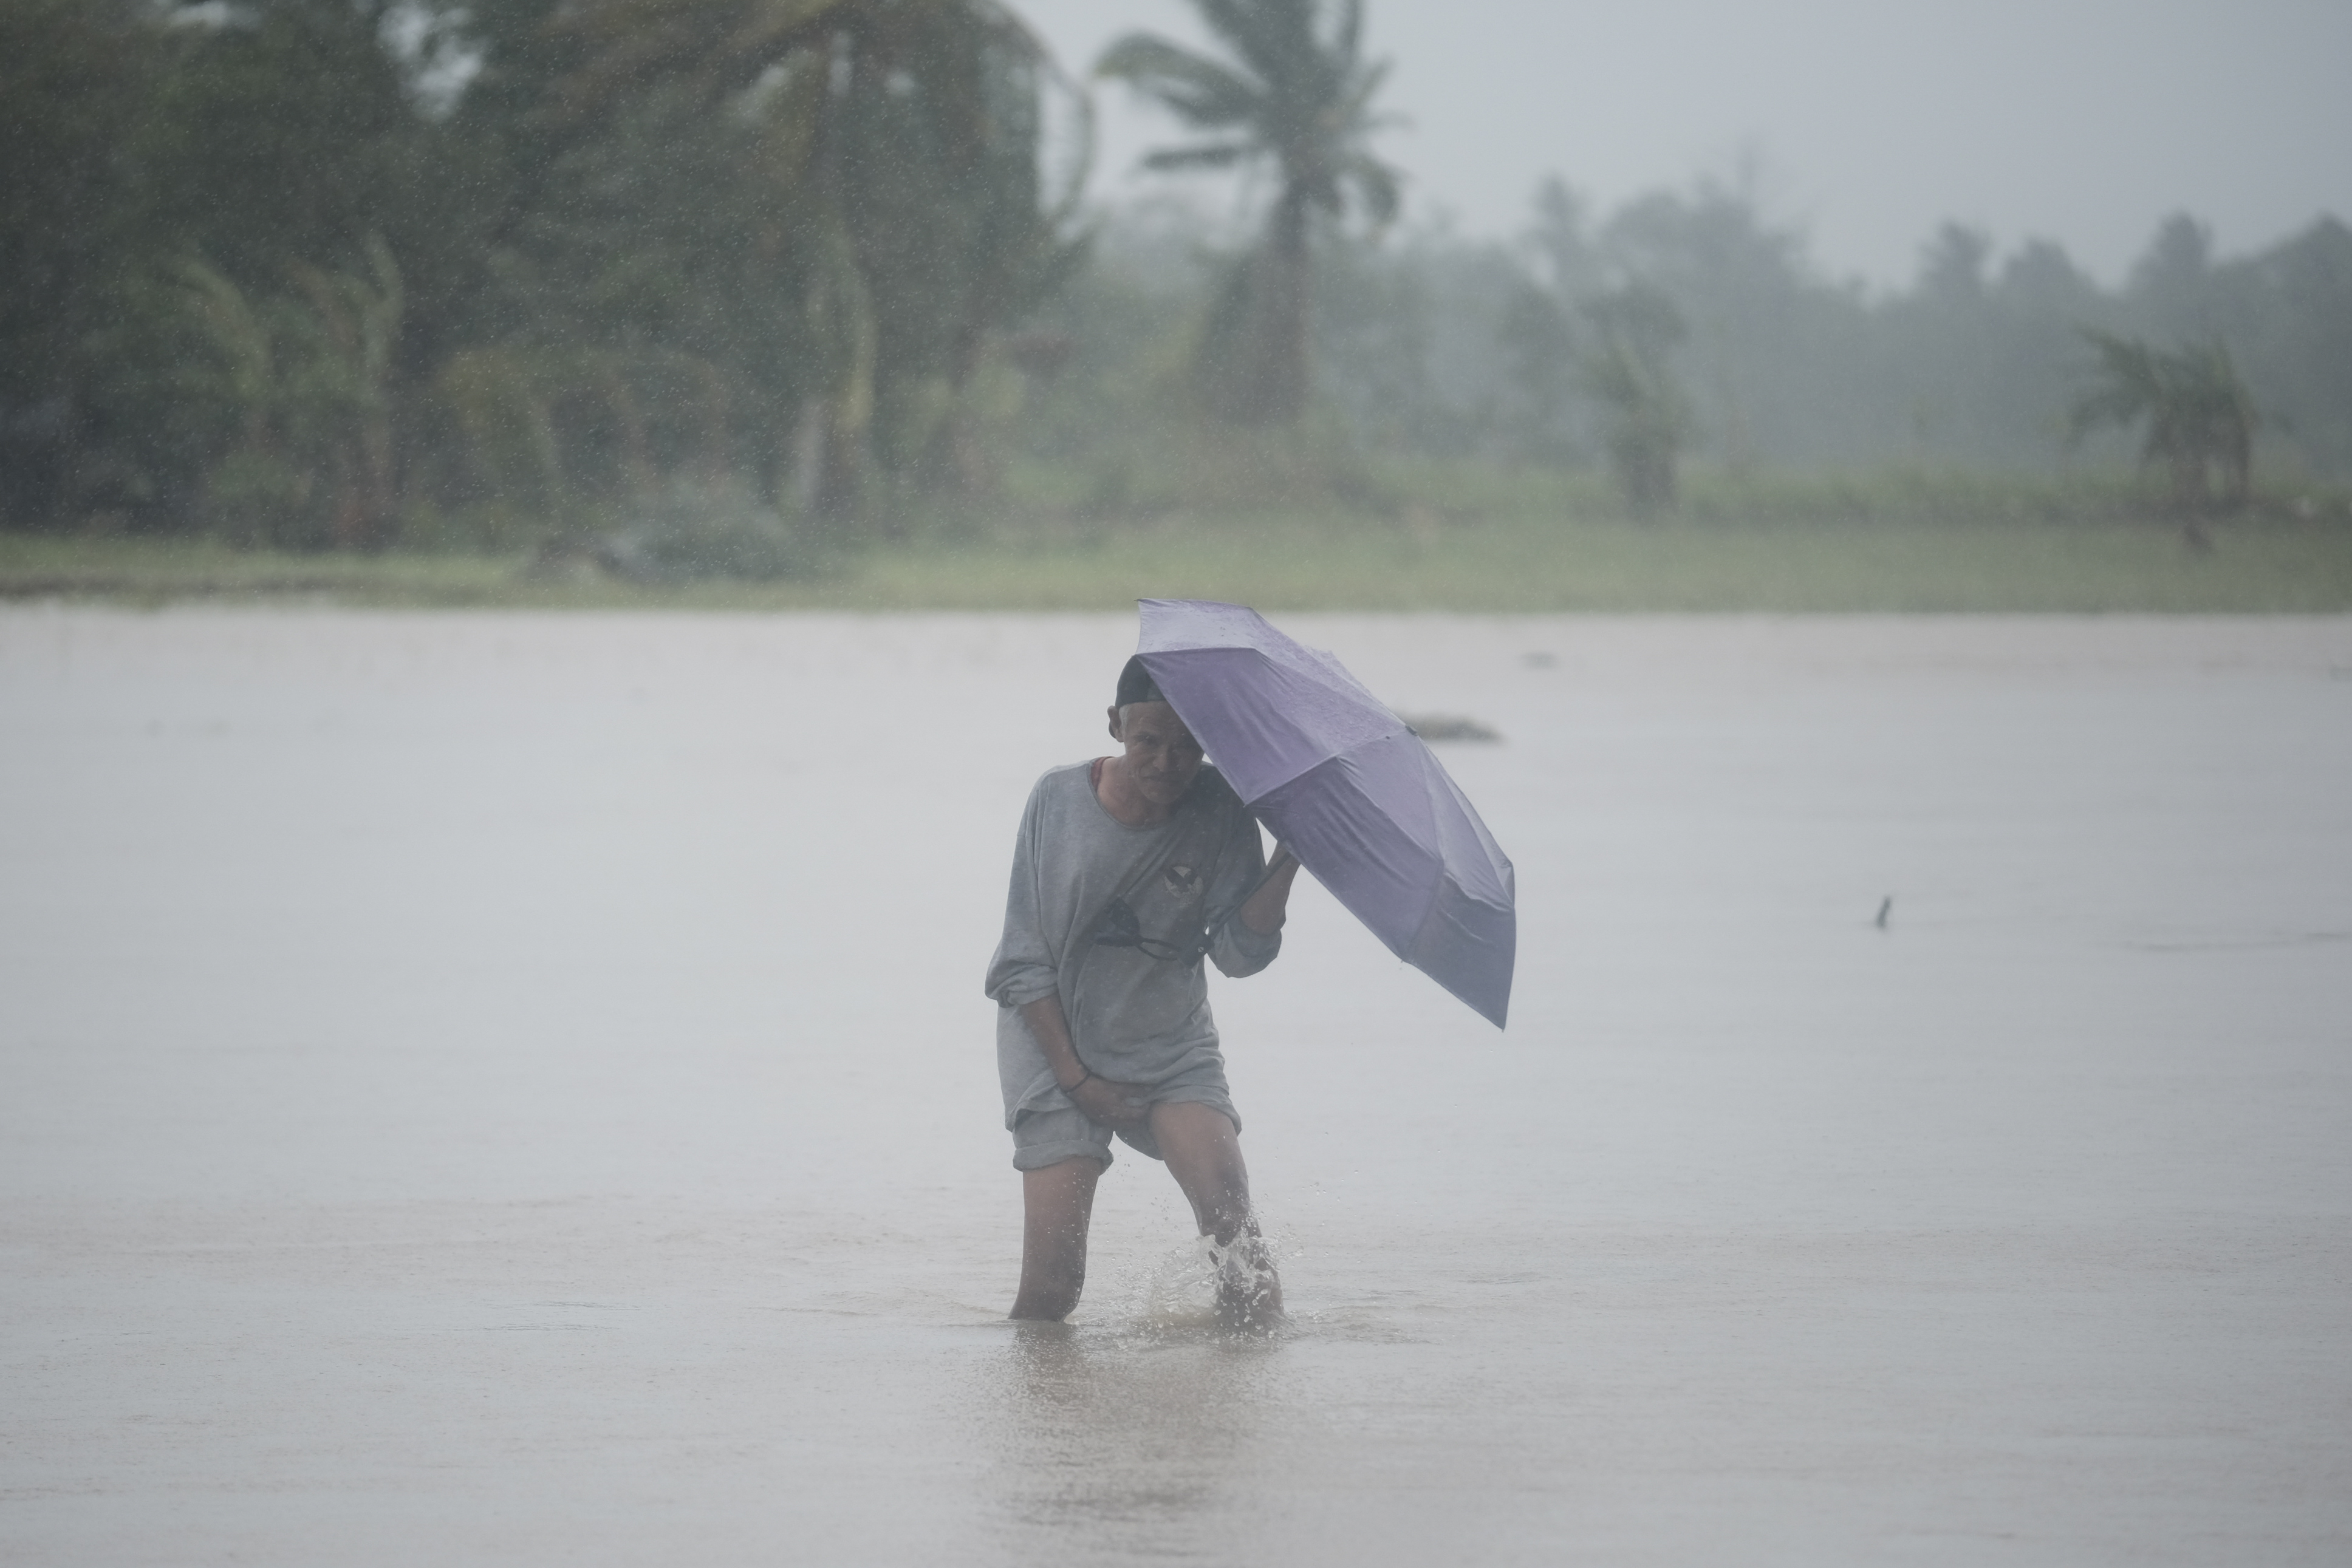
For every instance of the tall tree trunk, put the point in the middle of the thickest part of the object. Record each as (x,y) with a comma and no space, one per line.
(957,462)
(379,503)
(2189,494)
(829,440)
(1284,281)
(1252,365)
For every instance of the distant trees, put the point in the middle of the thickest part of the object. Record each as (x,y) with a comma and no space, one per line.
(333,273)
(1976,363)
(189,184)
(898,139)
(307,379)
(1298,95)
(72,74)
(298,269)
(1634,331)
(2198,416)
(1590,328)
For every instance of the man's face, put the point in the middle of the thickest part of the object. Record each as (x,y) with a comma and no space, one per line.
(1161,755)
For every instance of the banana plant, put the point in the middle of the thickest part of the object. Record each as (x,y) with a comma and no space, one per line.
(305,378)
(352,332)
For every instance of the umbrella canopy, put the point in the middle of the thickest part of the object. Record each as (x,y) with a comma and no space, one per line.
(1354,793)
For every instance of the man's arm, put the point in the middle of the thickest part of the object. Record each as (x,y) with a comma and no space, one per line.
(1099,1098)
(1024,965)
(1246,941)
(1269,906)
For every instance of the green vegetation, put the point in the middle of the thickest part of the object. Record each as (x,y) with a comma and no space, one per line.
(300,273)
(799,302)
(2200,416)
(1629,373)
(1303,103)
(1444,345)
(1889,545)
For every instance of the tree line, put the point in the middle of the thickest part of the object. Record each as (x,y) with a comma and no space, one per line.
(284,268)
(331,273)
(1689,322)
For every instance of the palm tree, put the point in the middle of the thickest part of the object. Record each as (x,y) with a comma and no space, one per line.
(2201,418)
(1297,95)
(899,139)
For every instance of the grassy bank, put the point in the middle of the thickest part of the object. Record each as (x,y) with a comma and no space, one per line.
(2274,562)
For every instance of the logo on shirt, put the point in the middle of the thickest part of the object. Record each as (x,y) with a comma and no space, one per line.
(1182,883)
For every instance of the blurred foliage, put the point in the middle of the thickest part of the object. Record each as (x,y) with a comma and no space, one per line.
(1462,354)
(2199,415)
(664,288)
(1633,332)
(1297,95)
(294,270)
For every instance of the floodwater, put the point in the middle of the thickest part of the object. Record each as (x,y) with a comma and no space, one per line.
(515,1090)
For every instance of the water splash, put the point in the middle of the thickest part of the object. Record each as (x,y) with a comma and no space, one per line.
(1188,1290)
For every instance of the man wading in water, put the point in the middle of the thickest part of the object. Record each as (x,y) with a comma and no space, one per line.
(1129,871)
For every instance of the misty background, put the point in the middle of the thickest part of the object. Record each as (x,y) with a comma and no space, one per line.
(755,281)
(2078,121)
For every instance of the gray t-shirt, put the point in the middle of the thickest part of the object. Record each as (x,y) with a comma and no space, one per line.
(1135,1018)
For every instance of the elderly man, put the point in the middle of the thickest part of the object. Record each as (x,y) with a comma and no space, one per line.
(1129,870)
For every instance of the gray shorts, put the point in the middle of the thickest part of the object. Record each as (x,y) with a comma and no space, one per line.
(1060,1131)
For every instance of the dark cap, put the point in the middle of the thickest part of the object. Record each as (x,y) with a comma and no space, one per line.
(1135,684)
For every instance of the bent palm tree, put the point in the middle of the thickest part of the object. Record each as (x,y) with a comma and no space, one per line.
(1300,97)
(2201,418)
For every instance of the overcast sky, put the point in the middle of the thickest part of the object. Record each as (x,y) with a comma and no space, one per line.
(2080,120)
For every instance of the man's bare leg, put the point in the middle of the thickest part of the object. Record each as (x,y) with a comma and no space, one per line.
(1204,1155)
(1057,1202)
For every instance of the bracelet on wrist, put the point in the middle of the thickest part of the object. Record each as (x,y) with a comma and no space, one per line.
(1084,1073)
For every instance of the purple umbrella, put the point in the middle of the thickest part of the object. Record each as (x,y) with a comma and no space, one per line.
(1355,794)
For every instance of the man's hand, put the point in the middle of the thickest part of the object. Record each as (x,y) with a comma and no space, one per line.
(1269,906)
(1114,1105)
